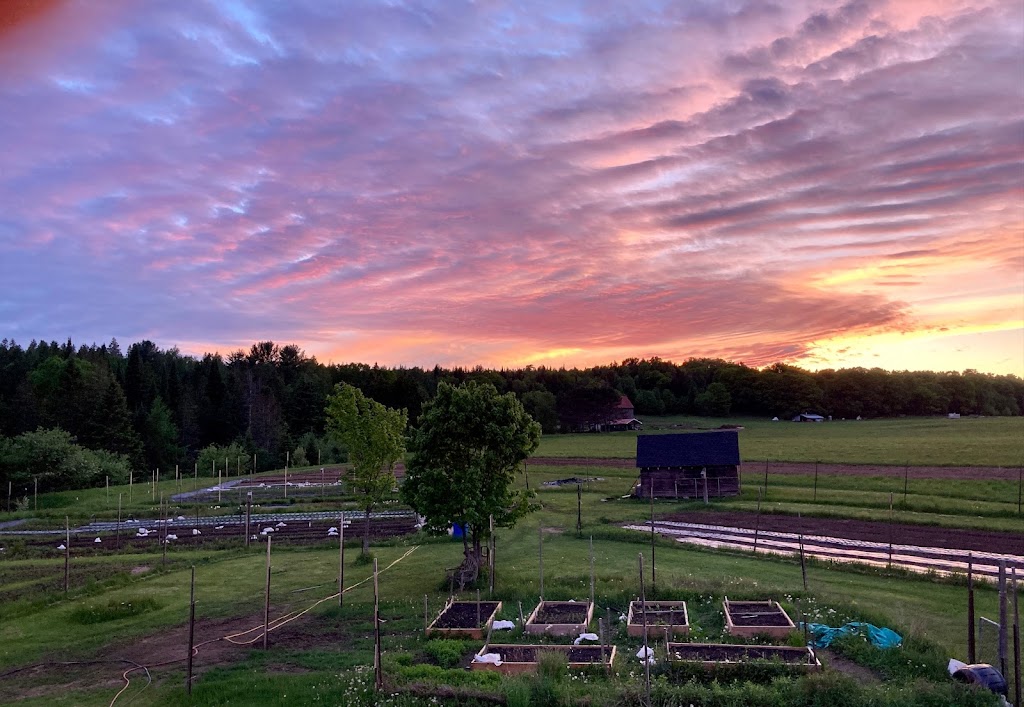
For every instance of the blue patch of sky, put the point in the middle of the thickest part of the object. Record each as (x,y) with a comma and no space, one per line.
(233,57)
(252,23)
(74,85)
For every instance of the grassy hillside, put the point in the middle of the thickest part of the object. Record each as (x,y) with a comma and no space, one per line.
(989,441)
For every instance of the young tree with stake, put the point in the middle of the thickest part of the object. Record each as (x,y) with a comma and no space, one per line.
(373,434)
(470,444)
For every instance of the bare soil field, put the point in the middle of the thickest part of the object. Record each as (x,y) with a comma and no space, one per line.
(869,531)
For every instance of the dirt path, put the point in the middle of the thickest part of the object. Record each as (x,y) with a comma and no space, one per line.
(807,468)
(833,661)
(870,531)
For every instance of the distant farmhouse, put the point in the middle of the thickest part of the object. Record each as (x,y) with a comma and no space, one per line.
(684,465)
(624,418)
(808,417)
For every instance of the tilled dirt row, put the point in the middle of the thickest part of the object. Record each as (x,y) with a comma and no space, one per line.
(303,533)
(869,531)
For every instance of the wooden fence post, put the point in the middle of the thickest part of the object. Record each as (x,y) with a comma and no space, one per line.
(971,643)
(266,599)
(757,519)
(579,510)
(490,556)
(1003,627)
(647,650)
(378,674)
(890,530)
(803,563)
(814,497)
(67,554)
(653,536)
(1016,642)
(191,630)
(341,559)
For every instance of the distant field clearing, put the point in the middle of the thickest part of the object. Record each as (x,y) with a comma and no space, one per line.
(988,441)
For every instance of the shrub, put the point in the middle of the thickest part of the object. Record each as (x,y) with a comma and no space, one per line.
(445,652)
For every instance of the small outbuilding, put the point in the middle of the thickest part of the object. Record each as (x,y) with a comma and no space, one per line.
(808,417)
(684,465)
(623,418)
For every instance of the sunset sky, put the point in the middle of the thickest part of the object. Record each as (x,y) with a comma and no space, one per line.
(504,184)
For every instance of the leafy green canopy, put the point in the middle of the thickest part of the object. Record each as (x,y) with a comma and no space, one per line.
(465,454)
(373,434)
(52,457)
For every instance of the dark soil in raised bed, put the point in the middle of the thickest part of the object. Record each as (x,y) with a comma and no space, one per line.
(462,614)
(743,614)
(737,653)
(657,616)
(528,654)
(561,613)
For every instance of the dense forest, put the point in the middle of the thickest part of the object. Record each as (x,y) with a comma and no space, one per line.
(73,415)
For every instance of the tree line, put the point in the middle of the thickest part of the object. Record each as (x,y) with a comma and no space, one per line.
(147,407)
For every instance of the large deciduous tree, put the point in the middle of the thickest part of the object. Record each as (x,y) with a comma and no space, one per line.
(373,435)
(469,445)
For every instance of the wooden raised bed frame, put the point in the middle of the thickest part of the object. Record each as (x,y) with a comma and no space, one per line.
(476,633)
(656,628)
(534,627)
(779,628)
(808,661)
(519,667)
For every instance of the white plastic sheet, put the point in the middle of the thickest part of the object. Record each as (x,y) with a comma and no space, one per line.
(492,658)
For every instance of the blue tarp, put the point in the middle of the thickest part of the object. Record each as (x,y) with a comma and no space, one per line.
(822,635)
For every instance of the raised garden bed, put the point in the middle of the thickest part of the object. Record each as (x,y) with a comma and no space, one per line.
(753,618)
(458,619)
(713,655)
(662,616)
(560,618)
(516,659)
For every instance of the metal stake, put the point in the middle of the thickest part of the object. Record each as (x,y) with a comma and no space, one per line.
(341,559)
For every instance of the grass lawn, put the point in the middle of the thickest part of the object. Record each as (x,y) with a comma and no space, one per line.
(990,441)
(324,656)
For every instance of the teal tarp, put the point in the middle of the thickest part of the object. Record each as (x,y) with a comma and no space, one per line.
(822,635)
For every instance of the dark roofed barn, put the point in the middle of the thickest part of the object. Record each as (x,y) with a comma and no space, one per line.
(679,465)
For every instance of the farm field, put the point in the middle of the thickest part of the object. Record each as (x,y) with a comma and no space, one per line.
(133,605)
(991,441)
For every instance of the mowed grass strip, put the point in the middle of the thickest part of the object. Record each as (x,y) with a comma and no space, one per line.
(990,441)
(966,503)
